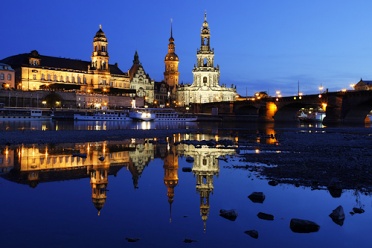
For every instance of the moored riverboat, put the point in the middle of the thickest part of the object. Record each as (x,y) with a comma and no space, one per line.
(102,116)
(25,114)
(141,114)
(161,115)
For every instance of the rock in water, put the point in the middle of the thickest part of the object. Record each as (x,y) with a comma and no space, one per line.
(132,239)
(265,216)
(189,240)
(252,233)
(257,197)
(303,226)
(358,210)
(338,215)
(229,214)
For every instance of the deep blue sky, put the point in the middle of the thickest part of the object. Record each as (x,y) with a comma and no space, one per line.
(263,45)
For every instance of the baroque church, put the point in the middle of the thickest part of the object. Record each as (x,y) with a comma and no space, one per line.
(205,87)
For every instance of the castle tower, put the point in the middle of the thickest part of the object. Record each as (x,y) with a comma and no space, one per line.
(171,73)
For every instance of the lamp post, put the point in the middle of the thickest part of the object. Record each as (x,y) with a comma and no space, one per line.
(278,95)
(320,91)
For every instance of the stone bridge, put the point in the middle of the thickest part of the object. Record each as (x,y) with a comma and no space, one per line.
(349,107)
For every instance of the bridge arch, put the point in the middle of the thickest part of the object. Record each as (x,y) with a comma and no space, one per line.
(290,110)
(357,113)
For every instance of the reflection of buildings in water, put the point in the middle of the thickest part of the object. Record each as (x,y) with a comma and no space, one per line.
(266,134)
(170,171)
(140,157)
(98,181)
(34,164)
(205,166)
(6,160)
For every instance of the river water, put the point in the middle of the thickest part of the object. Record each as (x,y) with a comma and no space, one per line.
(148,193)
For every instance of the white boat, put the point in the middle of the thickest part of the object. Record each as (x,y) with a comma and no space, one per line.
(160,115)
(171,115)
(141,114)
(25,114)
(102,116)
(311,117)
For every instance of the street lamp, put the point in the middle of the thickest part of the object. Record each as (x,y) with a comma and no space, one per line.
(320,91)
(278,95)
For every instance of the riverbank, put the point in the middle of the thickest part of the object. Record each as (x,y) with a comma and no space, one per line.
(327,157)
(78,136)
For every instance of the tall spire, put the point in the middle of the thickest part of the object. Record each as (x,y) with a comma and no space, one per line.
(171,28)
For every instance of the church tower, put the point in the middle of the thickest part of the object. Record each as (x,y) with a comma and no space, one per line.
(171,73)
(99,66)
(205,74)
(205,87)
(100,55)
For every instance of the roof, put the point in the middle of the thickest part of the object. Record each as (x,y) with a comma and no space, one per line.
(17,61)
(5,67)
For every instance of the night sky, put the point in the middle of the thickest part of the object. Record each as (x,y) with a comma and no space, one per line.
(266,45)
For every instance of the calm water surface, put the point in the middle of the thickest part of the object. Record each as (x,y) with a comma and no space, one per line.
(142,189)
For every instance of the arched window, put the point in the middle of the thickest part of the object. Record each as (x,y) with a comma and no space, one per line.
(9,76)
(61,78)
(2,76)
(205,81)
(48,77)
(54,78)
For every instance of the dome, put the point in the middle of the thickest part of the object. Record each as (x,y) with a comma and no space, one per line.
(171,57)
(100,35)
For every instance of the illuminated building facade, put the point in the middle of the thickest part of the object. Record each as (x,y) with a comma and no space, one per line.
(6,76)
(140,81)
(34,71)
(205,87)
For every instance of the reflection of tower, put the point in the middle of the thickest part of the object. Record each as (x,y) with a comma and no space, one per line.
(205,167)
(139,158)
(99,181)
(171,173)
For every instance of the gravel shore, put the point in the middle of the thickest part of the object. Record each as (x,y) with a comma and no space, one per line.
(316,157)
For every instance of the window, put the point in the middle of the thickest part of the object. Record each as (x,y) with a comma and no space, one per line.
(67,79)
(61,79)
(78,80)
(9,76)
(34,76)
(48,77)
(1,76)
(205,80)
(55,78)
(42,76)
